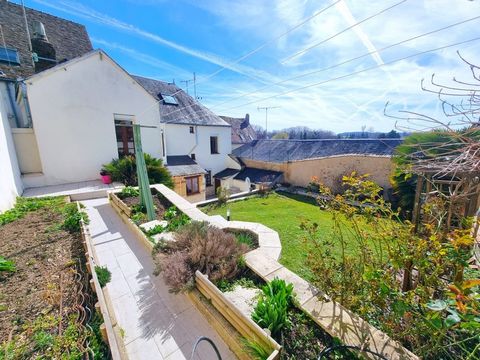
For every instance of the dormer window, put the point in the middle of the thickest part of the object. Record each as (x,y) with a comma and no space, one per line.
(169,99)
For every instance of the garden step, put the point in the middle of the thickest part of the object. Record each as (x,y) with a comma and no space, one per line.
(151,224)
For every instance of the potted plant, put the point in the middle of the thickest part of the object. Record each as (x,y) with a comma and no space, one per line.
(106,177)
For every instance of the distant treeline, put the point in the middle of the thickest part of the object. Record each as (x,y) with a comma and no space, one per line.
(305,133)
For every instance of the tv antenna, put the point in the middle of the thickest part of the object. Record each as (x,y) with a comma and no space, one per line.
(266,108)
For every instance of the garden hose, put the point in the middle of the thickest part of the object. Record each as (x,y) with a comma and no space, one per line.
(323,355)
(204,338)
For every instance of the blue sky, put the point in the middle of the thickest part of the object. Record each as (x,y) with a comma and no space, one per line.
(168,40)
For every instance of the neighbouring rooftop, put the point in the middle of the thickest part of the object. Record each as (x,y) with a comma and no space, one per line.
(181,165)
(176,106)
(242,131)
(293,150)
(255,175)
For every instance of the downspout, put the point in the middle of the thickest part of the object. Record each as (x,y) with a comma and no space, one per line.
(26,104)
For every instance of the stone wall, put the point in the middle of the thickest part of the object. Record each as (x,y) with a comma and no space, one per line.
(330,170)
(69,39)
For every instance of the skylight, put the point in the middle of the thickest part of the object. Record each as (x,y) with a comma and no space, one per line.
(10,56)
(169,100)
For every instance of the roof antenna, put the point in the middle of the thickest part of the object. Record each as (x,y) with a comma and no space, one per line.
(28,33)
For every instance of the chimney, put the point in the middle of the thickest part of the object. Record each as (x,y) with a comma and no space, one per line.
(44,52)
(245,122)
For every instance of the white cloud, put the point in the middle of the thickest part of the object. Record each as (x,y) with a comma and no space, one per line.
(340,105)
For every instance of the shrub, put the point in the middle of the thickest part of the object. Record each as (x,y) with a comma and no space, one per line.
(6,265)
(222,195)
(124,170)
(199,246)
(271,310)
(103,275)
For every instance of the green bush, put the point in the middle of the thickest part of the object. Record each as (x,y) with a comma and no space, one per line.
(6,265)
(103,275)
(271,310)
(124,170)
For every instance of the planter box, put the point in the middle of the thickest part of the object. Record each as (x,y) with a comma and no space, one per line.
(119,207)
(243,324)
(114,199)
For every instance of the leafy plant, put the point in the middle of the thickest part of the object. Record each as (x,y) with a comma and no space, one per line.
(72,218)
(255,349)
(157,229)
(398,278)
(125,170)
(171,213)
(245,238)
(6,265)
(199,246)
(128,191)
(139,217)
(25,205)
(103,275)
(271,309)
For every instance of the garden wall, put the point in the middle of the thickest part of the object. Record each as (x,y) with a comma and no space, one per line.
(327,170)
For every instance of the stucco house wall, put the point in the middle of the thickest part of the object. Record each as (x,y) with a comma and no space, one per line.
(10,178)
(329,169)
(73,107)
(180,141)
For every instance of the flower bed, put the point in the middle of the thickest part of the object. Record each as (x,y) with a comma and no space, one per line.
(169,218)
(46,311)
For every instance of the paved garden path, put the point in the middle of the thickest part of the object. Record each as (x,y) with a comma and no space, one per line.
(156,324)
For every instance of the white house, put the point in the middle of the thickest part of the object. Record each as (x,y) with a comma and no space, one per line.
(193,130)
(80,114)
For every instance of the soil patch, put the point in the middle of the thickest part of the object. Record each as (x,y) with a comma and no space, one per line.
(41,303)
(161,205)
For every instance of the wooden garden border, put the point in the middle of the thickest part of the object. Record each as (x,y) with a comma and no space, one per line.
(119,206)
(107,330)
(243,324)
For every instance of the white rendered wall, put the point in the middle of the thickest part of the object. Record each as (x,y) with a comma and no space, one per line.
(10,179)
(73,117)
(181,142)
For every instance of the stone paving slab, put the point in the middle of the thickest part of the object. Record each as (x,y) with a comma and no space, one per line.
(262,265)
(156,323)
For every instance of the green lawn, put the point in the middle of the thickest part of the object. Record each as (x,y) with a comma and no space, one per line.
(283,213)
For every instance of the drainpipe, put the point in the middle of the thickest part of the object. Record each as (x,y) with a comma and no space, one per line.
(26,104)
(13,105)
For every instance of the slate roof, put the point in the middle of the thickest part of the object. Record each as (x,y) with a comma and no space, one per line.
(182,165)
(69,39)
(228,172)
(242,131)
(291,150)
(258,175)
(187,112)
